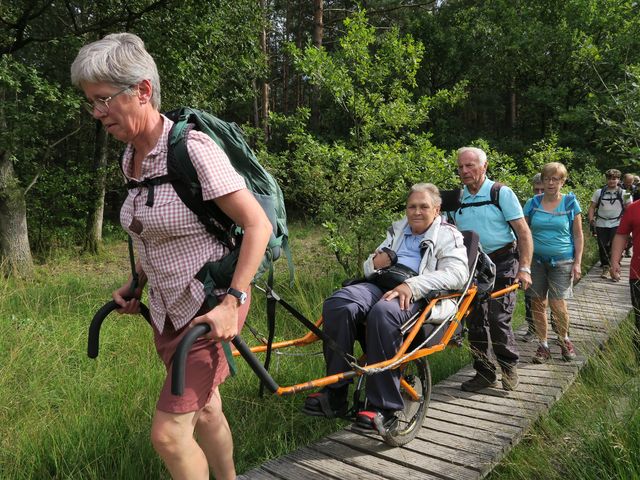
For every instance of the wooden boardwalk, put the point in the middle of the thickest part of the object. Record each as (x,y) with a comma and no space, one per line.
(466,434)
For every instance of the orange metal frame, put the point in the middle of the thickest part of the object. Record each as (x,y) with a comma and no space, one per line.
(310,338)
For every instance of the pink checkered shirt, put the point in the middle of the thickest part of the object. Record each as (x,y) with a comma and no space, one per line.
(173,245)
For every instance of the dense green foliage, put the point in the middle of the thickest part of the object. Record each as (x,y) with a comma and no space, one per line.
(383,103)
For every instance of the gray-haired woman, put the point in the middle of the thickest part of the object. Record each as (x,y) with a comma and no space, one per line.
(120,81)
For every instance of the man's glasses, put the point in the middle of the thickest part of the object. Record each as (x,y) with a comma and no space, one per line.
(538,190)
(612,177)
(102,104)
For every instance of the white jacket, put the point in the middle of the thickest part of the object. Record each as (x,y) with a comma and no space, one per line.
(444,265)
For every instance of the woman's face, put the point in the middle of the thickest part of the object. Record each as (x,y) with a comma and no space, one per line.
(421,212)
(123,117)
(553,182)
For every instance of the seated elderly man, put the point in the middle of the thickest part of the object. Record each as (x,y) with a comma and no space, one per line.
(421,242)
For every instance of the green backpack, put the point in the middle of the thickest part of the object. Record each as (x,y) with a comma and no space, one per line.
(184,179)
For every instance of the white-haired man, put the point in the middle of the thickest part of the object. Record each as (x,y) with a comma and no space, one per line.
(493,211)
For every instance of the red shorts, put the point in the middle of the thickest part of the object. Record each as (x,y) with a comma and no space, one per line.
(206,366)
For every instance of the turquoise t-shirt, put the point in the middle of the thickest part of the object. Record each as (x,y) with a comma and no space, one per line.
(487,220)
(552,231)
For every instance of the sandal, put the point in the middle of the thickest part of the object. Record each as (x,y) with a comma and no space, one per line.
(375,420)
(328,402)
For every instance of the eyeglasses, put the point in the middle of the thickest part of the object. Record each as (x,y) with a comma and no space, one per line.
(612,177)
(538,190)
(552,179)
(102,104)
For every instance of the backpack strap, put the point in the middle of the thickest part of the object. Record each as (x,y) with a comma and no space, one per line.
(494,198)
(184,179)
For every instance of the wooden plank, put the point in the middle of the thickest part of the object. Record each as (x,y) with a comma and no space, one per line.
(330,467)
(460,406)
(286,468)
(484,396)
(257,474)
(500,430)
(425,461)
(467,432)
(493,416)
(368,462)
(487,451)
(526,394)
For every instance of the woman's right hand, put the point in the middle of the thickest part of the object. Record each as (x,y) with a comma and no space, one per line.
(130,304)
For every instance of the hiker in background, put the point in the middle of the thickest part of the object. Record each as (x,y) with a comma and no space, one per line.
(632,194)
(432,255)
(556,227)
(530,335)
(120,81)
(629,225)
(630,188)
(606,209)
(494,213)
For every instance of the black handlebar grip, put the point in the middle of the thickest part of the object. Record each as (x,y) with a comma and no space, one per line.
(180,359)
(96,323)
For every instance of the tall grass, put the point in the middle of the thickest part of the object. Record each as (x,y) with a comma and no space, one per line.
(593,431)
(63,415)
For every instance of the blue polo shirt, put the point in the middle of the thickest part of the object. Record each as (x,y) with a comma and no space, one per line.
(487,220)
(409,252)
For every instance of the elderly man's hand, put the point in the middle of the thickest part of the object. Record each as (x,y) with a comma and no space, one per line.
(403,293)
(524,278)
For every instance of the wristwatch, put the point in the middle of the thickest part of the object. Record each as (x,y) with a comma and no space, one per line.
(241,296)
(526,270)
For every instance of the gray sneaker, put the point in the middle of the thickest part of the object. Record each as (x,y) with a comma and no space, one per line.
(510,379)
(528,337)
(480,381)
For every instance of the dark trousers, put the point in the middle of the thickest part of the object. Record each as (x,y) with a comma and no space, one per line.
(605,237)
(489,322)
(355,313)
(635,301)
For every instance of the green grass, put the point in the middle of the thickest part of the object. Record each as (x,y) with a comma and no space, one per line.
(63,415)
(593,431)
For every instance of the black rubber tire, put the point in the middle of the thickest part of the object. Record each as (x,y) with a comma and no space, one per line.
(418,375)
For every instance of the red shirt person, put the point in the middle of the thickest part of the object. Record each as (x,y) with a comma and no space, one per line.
(629,225)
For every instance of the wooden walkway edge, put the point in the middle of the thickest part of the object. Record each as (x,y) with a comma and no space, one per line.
(466,434)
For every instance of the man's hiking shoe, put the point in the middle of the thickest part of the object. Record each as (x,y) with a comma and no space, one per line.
(480,381)
(568,351)
(375,420)
(605,273)
(328,402)
(510,379)
(543,355)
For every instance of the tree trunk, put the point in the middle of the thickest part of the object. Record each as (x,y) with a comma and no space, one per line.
(93,237)
(15,254)
(318,33)
(265,83)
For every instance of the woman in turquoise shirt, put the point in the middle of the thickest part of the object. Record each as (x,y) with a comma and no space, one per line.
(556,227)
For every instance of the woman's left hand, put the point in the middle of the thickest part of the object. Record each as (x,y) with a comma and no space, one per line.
(576,272)
(223,320)
(403,293)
